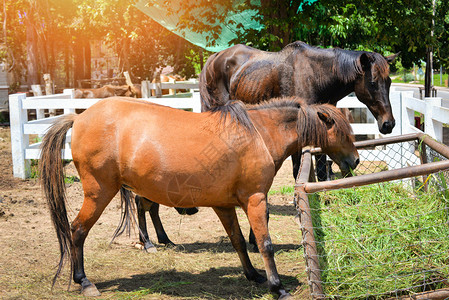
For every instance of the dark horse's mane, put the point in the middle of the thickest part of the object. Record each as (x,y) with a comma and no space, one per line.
(236,110)
(346,65)
(310,129)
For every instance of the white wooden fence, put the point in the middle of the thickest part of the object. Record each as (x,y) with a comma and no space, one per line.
(403,105)
(21,128)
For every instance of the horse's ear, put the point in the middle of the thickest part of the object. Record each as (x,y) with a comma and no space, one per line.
(392,57)
(365,62)
(326,119)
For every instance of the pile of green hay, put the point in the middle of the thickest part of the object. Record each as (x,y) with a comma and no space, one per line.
(383,240)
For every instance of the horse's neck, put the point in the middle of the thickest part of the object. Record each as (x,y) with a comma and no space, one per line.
(324,86)
(278,130)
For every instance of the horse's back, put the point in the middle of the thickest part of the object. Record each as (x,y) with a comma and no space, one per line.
(247,74)
(146,146)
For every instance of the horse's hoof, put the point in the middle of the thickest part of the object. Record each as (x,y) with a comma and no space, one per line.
(90,291)
(256,277)
(151,250)
(284,296)
(171,245)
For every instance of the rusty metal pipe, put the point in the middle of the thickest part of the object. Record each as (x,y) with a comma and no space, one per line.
(379,142)
(376,177)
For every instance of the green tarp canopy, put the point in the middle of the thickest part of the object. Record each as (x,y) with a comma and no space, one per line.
(228,33)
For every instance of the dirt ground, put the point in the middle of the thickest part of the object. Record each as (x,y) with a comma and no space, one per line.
(203,266)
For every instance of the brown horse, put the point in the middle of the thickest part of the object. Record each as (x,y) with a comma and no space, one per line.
(165,79)
(175,158)
(314,74)
(106,92)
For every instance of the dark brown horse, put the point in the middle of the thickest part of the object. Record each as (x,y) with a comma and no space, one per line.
(314,74)
(143,205)
(173,146)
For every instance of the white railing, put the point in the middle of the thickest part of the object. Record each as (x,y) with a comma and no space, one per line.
(403,105)
(172,86)
(21,128)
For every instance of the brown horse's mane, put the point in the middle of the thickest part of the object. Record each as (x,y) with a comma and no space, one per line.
(310,128)
(346,65)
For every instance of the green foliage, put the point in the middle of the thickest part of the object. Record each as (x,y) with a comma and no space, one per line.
(383,26)
(284,190)
(34,169)
(71,179)
(143,45)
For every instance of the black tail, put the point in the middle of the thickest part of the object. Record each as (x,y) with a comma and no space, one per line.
(127,212)
(51,171)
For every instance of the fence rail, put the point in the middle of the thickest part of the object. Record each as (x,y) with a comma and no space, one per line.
(21,128)
(403,104)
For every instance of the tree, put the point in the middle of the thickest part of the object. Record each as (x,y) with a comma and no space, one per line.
(377,25)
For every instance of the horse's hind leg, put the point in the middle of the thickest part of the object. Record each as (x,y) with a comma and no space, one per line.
(143,236)
(231,224)
(162,236)
(96,197)
(256,211)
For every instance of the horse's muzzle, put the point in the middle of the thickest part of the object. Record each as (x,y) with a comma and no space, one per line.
(387,127)
(348,165)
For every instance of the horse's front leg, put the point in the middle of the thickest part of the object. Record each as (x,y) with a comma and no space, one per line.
(256,210)
(252,238)
(231,224)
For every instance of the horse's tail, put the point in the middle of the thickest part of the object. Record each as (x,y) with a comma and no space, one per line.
(127,212)
(51,171)
(213,100)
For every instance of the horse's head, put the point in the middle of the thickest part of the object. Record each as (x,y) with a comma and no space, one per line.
(373,87)
(340,139)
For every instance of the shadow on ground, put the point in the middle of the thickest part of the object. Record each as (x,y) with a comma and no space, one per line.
(228,282)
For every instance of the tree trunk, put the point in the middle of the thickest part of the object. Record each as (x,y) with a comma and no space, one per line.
(87,60)
(67,65)
(32,50)
(124,55)
(428,75)
(78,56)
(277,10)
(50,42)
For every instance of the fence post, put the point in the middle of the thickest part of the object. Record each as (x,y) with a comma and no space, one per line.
(19,141)
(432,127)
(396,105)
(71,94)
(196,99)
(193,80)
(146,93)
(407,115)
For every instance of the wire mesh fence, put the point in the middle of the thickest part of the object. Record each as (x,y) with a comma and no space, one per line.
(385,239)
